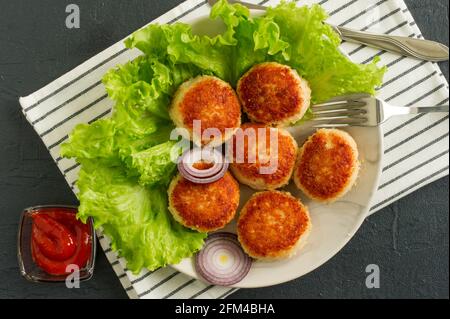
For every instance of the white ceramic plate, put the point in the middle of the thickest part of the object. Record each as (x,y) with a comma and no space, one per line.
(333,225)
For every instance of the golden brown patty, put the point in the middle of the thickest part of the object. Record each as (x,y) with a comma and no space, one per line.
(210,100)
(328,165)
(273,225)
(282,158)
(274,94)
(204,207)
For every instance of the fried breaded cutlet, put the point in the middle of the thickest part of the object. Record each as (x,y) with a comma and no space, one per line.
(327,165)
(273,225)
(282,156)
(210,100)
(204,207)
(274,94)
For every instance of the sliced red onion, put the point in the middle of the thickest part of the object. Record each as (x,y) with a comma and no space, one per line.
(222,261)
(202,176)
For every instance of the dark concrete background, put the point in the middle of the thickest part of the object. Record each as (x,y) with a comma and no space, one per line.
(408,240)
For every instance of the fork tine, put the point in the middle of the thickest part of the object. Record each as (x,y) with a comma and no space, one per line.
(339,117)
(350,97)
(339,105)
(339,121)
(340,112)
(345,100)
(331,125)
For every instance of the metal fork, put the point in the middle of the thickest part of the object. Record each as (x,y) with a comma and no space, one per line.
(362,110)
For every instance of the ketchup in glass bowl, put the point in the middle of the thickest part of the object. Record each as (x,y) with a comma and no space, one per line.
(52,243)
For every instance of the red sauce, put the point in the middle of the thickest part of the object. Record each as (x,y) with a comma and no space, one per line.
(58,239)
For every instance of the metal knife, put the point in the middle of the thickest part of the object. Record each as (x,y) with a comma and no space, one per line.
(418,48)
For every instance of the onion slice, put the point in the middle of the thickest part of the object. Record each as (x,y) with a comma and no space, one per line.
(222,261)
(186,165)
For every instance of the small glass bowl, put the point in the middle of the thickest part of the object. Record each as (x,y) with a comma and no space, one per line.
(28,268)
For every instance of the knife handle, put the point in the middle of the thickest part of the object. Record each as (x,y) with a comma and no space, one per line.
(418,48)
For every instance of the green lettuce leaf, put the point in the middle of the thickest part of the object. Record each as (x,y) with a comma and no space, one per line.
(257,40)
(134,217)
(147,84)
(176,44)
(154,166)
(93,141)
(111,141)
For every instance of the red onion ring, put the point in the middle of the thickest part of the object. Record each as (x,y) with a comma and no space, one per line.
(208,155)
(232,269)
(202,176)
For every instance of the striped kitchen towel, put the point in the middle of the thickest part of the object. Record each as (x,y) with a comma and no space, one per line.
(416,148)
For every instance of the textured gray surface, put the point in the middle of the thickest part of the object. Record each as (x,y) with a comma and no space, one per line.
(408,240)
